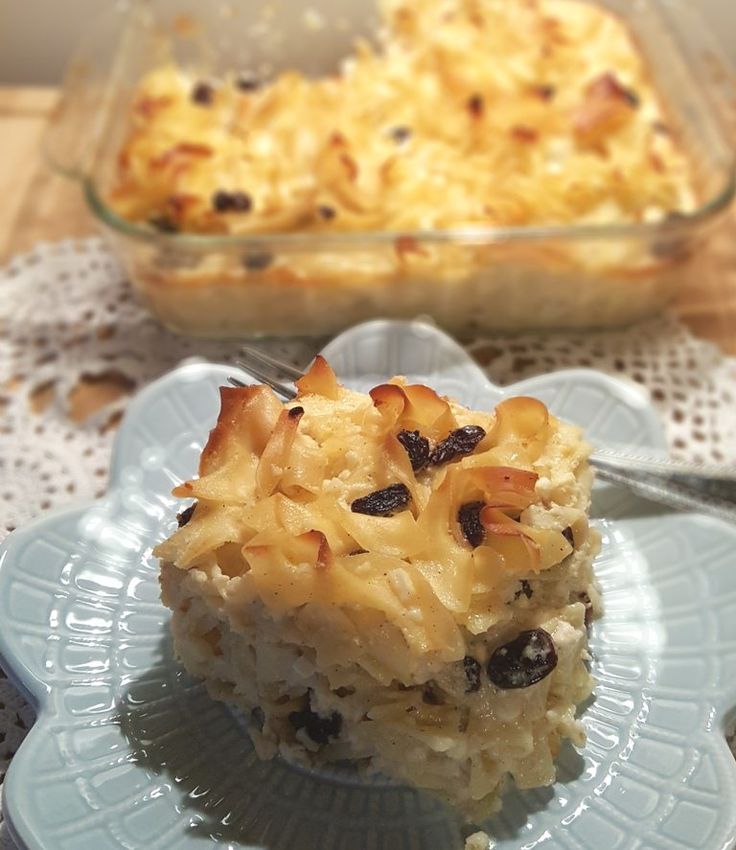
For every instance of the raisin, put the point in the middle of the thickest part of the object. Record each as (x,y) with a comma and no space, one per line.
(567,534)
(326,212)
(472,528)
(247,82)
(524,661)
(163,223)
(184,516)
(472,674)
(417,447)
(319,729)
(460,442)
(400,134)
(476,106)
(241,202)
(383,502)
(545,92)
(432,694)
(525,589)
(203,94)
(258,261)
(223,201)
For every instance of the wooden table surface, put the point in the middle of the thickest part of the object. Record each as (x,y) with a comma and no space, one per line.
(39,205)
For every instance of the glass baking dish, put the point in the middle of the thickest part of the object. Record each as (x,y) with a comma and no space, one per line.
(468,279)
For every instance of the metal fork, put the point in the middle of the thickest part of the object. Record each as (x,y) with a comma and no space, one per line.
(709,489)
(258,362)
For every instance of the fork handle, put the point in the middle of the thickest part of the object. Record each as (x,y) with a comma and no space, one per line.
(679,487)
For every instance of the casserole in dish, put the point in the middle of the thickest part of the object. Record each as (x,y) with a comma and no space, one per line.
(495,165)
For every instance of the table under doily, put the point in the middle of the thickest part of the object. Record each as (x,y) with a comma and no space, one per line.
(68,316)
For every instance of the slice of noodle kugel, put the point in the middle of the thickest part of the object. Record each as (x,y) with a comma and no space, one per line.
(391,578)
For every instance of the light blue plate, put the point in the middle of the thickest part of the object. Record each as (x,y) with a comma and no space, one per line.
(129,752)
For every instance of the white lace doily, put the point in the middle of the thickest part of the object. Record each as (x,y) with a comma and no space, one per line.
(66,312)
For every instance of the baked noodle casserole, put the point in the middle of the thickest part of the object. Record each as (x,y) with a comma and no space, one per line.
(461,116)
(391,579)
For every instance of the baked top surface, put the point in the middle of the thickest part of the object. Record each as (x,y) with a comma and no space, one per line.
(468,114)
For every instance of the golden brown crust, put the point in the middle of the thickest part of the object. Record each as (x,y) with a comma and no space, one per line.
(414,407)
(319,380)
(275,455)
(257,405)
(496,134)
(289,494)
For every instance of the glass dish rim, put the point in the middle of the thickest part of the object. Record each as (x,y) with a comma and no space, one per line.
(466,236)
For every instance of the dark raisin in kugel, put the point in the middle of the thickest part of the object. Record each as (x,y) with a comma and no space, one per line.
(469,519)
(223,201)
(524,661)
(383,502)
(319,729)
(203,94)
(524,590)
(258,261)
(462,441)
(184,516)
(417,447)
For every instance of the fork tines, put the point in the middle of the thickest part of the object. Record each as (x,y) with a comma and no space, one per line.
(261,366)
(252,356)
